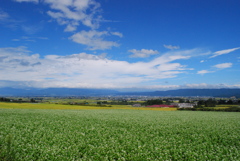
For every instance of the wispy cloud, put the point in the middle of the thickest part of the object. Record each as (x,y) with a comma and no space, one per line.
(223,65)
(74,12)
(221,52)
(86,70)
(31,39)
(117,34)
(15,24)
(218,66)
(143,53)
(3,16)
(94,40)
(31,29)
(35,1)
(204,72)
(171,47)
(208,86)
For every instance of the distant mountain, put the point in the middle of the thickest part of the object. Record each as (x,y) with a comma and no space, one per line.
(226,92)
(55,92)
(100,92)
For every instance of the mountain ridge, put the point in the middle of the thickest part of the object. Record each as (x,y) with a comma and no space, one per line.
(223,92)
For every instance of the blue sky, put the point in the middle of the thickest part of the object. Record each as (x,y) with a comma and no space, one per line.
(132,45)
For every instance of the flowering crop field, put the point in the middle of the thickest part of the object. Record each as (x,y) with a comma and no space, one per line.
(118,134)
(74,107)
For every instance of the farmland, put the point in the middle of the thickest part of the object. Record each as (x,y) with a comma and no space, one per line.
(118,134)
(73,107)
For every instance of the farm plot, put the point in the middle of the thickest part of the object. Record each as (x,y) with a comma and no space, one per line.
(27,134)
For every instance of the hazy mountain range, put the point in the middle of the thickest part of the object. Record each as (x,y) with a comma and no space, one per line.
(101,92)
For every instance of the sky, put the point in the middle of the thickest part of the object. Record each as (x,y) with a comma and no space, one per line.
(120,44)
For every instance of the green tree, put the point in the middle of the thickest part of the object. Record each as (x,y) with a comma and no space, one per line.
(181,101)
(210,103)
(230,102)
(32,100)
(154,102)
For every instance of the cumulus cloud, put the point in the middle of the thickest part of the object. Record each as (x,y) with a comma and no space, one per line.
(221,52)
(171,47)
(142,53)
(204,72)
(223,65)
(94,40)
(86,70)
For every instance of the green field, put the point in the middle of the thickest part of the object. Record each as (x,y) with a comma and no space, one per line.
(118,134)
(74,107)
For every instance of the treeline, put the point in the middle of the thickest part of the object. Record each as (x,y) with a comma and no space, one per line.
(213,102)
(229,109)
(210,104)
(31,100)
(120,102)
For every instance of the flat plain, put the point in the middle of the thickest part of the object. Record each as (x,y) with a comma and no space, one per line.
(118,134)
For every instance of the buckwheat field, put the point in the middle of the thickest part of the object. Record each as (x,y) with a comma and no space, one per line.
(106,134)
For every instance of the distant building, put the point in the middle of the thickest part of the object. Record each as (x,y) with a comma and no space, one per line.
(161,106)
(184,105)
(136,105)
(233,97)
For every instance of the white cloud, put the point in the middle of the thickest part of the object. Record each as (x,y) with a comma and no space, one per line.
(85,70)
(142,53)
(208,86)
(221,52)
(10,51)
(204,72)
(94,40)
(70,28)
(223,65)
(31,29)
(30,39)
(192,86)
(71,12)
(219,66)
(15,39)
(35,1)
(171,47)
(117,34)
(3,16)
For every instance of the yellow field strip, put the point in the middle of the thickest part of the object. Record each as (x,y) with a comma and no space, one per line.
(74,107)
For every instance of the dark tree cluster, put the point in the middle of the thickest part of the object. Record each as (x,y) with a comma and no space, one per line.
(15,100)
(3,99)
(210,103)
(154,102)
